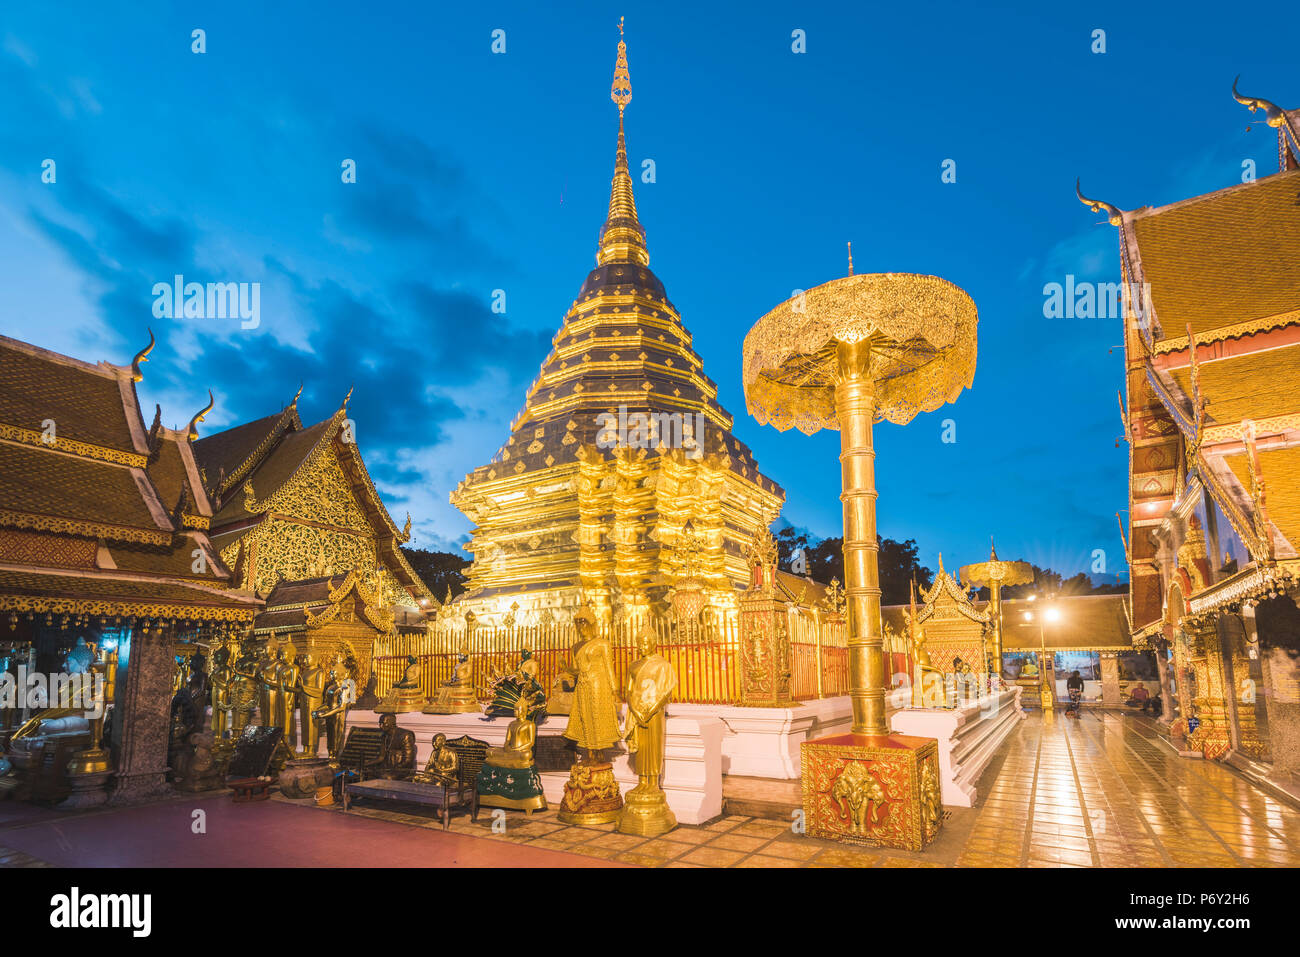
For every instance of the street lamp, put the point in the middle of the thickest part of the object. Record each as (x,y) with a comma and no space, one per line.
(1046,693)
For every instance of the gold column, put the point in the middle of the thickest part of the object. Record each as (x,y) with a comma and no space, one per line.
(995,615)
(854,408)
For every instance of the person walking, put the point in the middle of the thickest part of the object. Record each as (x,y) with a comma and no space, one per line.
(1074,688)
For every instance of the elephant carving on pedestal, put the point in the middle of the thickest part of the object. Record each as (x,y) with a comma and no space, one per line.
(858,795)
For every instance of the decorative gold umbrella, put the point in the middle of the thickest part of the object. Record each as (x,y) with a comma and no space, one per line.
(996,573)
(845,355)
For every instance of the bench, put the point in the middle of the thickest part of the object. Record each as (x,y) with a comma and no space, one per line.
(249,789)
(469,753)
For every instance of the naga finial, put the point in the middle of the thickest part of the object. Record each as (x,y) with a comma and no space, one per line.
(1272,113)
(297,396)
(141,356)
(1113,213)
(621,90)
(406,529)
(199,416)
(347,397)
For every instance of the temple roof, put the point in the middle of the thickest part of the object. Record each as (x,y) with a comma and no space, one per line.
(1224,259)
(226,457)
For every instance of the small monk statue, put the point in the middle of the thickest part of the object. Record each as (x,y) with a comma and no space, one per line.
(396,759)
(509,775)
(651,682)
(443,766)
(406,695)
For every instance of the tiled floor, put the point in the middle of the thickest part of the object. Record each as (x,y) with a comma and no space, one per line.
(1102,791)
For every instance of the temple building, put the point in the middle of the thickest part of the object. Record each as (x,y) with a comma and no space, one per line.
(299,521)
(104,541)
(1212,344)
(620,476)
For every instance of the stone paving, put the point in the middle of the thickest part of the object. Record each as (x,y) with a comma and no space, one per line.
(1101,791)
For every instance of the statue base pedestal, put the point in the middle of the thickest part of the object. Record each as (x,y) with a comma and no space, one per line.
(591,795)
(89,789)
(453,701)
(519,789)
(646,812)
(878,790)
(402,701)
(91,761)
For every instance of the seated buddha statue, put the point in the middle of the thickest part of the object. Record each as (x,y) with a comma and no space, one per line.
(927,684)
(443,766)
(406,695)
(1028,668)
(457,695)
(509,775)
(506,688)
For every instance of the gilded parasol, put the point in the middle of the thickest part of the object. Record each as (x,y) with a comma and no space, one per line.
(845,355)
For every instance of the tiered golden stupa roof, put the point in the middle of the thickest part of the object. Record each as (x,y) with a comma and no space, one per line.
(559,514)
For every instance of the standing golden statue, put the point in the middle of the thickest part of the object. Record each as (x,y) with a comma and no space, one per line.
(651,682)
(245,686)
(591,794)
(336,700)
(286,678)
(310,694)
(220,676)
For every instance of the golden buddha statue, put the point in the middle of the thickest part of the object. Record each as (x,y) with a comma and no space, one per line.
(406,695)
(591,794)
(219,681)
(443,766)
(651,682)
(1028,667)
(286,679)
(593,722)
(336,700)
(457,696)
(245,687)
(508,777)
(268,688)
(310,694)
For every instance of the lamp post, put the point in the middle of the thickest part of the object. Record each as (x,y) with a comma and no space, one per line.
(1050,613)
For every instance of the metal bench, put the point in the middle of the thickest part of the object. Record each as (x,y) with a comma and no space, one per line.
(469,752)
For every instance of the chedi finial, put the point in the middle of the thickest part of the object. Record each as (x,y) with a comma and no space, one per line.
(621,89)
(1113,213)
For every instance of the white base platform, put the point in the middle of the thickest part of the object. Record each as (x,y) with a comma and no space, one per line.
(968,736)
(764,742)
(692,777)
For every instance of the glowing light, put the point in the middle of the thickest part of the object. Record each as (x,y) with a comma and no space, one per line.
(1053,614)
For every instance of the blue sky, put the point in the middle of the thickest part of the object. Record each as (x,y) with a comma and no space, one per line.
(479,171)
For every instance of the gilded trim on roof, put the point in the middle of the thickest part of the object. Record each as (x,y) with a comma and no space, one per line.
(1235,331)
(64,526)
(84,449)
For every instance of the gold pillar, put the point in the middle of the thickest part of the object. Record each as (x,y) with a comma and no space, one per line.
(995,618)
(855,408)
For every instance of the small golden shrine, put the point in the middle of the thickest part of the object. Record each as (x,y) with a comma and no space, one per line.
(954,632)
(620,446)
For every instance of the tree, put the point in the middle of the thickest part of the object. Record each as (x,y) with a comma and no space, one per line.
(823,559)
(440,571)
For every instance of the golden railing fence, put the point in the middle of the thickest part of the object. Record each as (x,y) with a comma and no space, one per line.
(705,654)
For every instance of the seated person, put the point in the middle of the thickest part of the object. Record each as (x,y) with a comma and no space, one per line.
(1153,705)
(396,759)
(1138,697)
(443,766)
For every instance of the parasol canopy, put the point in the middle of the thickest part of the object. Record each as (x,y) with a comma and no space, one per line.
(922,331)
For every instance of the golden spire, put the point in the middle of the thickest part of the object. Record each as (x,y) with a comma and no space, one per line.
(850,259)
(622,240)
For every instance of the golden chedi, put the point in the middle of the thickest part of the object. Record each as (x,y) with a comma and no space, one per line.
(621,441)
(650,684)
